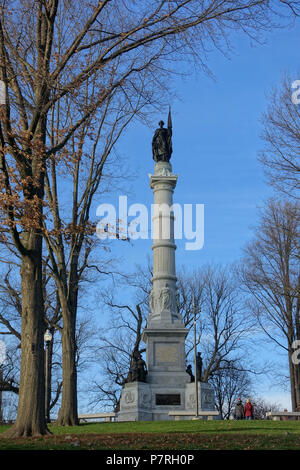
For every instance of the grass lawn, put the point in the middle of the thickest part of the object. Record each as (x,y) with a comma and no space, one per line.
(166,435)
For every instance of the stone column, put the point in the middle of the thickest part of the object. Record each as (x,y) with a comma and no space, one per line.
(162,300)
(165,333)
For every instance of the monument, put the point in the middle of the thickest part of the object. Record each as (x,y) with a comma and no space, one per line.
(166,385)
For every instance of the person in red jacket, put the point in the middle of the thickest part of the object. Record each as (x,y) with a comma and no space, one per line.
(248,409)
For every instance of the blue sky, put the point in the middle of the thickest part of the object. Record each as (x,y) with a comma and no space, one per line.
(216,139)
(216,129)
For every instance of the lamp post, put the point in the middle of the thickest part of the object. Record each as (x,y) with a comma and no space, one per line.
(195,361)
(47,339)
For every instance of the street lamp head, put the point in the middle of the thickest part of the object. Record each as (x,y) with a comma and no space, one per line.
(47,336)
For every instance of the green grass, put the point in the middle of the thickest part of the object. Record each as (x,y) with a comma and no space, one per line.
(186,426)
(166,435)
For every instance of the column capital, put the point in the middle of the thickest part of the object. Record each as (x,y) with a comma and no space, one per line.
(163,174)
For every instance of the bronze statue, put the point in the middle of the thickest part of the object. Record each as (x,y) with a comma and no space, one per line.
(190,372)
(142,369)
(162,142)
(199,364)
(138,370)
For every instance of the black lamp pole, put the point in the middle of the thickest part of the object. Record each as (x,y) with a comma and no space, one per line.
(195,360)
(48,339)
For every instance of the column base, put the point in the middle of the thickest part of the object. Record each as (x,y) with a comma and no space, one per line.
(152,401)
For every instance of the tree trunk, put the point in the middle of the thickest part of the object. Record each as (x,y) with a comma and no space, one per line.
(292,381)
(68,414)
(31,407)
(297,383)
(68,296)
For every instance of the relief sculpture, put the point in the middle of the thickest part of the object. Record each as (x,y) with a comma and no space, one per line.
(129,398)
(165,298)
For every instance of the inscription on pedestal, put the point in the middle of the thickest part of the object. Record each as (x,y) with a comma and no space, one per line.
(167,399)
(166,353)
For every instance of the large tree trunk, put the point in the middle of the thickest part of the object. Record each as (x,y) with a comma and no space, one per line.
(293,389)
(31,407)
(297,383)
(292,380)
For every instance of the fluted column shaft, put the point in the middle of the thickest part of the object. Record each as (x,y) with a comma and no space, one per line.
(163,303)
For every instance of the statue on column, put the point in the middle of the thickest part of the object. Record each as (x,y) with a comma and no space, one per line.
(162,141)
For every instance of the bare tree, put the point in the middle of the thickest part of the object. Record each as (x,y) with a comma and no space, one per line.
(44,47)
(225,325)
(281,135)
(9,381)
(262,406)
(229,385)
(70,235)
(271,275)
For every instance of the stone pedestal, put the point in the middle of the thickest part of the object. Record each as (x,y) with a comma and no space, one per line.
(168,386)
(136,402)
(153,401)
(206,399)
